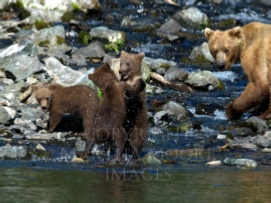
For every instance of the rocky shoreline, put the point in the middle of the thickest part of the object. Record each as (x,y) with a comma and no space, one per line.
(46,47)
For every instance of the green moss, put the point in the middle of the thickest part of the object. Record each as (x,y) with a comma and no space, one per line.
(19,4)
(67,16)
(83,37)
(114,46)
(180,128)
(75,7)
(59,40)
(221,85)
(44,43)
(40,24)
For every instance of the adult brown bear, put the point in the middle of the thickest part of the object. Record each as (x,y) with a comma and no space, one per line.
(250,44)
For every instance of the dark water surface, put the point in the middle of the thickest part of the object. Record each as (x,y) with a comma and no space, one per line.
(37,184)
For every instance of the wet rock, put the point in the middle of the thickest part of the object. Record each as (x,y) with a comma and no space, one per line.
(111,36)
(256,124)
(175,109)
(50,36)
(52,11)
(168,29)
(41,136)
(156,64)
(241,132)
(19,67)
(17,137)
(176,74)
(13,152)
(171,27)
(186,152)
(266,150)
(93,50)
(199,53)
(261,141)
(80,145)
(40,147)
(202,79)
(242,163)
(152,89)
(23,45)
(159,115)
(214,163)
(245,144)
(5,117)
(192,17)
(25,123)
(63,75)
(150,159)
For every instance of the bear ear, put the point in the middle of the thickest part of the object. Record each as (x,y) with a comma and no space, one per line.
(123,53)
(140,56)
(34,88)
(106,66)
(236,32)
(208,32)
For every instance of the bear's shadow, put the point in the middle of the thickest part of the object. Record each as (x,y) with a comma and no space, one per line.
(70,123)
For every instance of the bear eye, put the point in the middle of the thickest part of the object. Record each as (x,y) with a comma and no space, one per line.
(226,51)
(215,52)
(128,64)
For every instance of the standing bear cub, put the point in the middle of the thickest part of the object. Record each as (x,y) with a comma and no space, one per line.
(136,118)
(111,114)
(250,44)
(80,101)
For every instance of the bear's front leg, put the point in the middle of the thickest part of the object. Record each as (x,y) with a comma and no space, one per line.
(118,142)
(252,96)
(54,120)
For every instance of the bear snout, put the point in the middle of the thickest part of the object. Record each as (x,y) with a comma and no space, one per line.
(221,66)
(44,108)
(123,76)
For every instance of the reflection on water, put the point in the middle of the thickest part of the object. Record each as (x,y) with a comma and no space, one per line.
(225,184)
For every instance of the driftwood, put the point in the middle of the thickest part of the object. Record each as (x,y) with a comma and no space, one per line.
(179,87)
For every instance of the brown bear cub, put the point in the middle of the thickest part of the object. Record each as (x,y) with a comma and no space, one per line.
(250,44)
(80,101)
(136,115)
(108,124)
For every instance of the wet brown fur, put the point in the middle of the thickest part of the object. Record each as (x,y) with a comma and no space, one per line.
(136,118)
(80,101)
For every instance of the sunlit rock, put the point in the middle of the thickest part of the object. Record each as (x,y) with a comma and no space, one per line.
(61,74)
(93,50)
(176,74)
(5,117)
(19,67)
(13,152)
(242,163)
(256,124)
(150,159)
(175,109)
(202,79)
(201,54)
(214,163)
(191,16)
(103,32)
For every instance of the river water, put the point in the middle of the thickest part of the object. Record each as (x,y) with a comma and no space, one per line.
(77,184)
(59,180)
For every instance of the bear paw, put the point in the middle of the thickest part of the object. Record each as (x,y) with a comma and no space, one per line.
(233,113)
